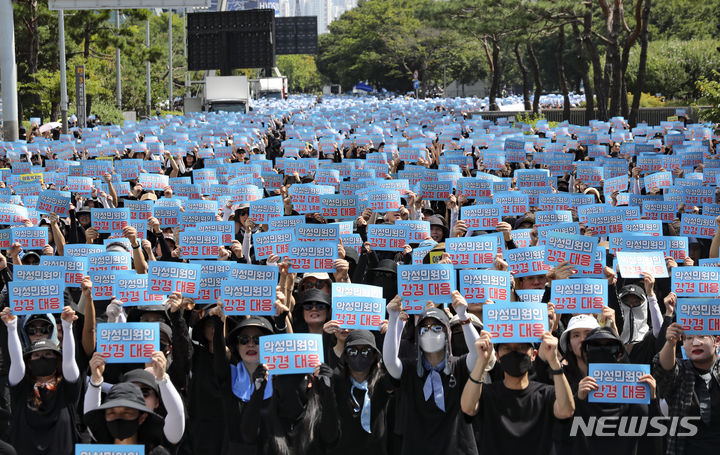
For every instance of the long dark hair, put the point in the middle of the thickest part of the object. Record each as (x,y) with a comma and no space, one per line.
(373,376)
(305,430)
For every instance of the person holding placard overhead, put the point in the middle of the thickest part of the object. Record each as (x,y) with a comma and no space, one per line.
(516,415)
(45,388)
(602,345)
(429,417)
(691,387)
(362,391)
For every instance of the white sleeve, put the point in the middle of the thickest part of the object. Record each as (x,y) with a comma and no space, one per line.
(92,398)
(391,345)
(17,364)
(246,245)
(175,419)
(71,372)
(470,335)
(453,219)
(655,315)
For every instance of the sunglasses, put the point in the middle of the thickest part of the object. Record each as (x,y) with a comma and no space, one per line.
(315,305)
(244,212)
(38,330)
(310,285)
(434,327)
(146,391)
(352,352)
(247,339)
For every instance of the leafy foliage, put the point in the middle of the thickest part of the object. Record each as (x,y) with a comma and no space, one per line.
(710,90)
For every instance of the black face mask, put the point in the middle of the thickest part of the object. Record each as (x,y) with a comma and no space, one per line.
(602,354)
(515,363)
(123,429)
(43,366)
(361,362)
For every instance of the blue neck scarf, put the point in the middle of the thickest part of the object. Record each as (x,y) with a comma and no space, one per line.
(365,408)
(433,384)
(242,384)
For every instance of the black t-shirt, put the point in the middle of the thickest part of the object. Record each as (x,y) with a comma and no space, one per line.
(707,440)
(516,421)
(644,351)
(354,440)
(423,427)
(49,430)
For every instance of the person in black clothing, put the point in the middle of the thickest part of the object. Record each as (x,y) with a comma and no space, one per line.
(602,345)
(236,375)
(124,419)
(302,417)
(516,415)
(362,391)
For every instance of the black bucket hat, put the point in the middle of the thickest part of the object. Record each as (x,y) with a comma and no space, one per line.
(253,321)
(315,295)
(361,338)
(124,394)
(385,265)
(143,377)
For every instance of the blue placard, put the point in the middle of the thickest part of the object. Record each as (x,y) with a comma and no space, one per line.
(115,260)
(109,449)
(286,222)
(103,284)
(167,216)
(296,353)
(434,282)
(695,281)
(472,252)
(544,218)
(75,268)
(383,200)
(631,264)
(339,207)
(512,203)
(35,297)
(31,238)
(154,182)
(698,316)
(477,286)
(710,262)
(579,295)
(273,242)
(642,227)
(195,244)
(481,217)
(516,322)
(251,297)
(543,231)
(618,383)
(51,201)
(132,289)
(358,306)
(658,181)
(527,261)
(530,295)
(435,191)
(225,228)
(386,237)
(700,226)
(110,220)
(317,232)
(81,186)
(128,342)
(139,210)
(211,286)
(576,250)
(83,250)
(35,273)
(312,256)
(263,210)
(167,277)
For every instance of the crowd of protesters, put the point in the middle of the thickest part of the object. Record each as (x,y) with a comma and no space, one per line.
(434,382)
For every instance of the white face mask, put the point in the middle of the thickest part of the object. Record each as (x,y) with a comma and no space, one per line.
(432,342)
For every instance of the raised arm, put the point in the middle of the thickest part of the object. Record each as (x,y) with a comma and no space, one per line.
(469,332)
(70,370)
(175,419)
(470,398)
(391,344)
(564,406)
(17,364)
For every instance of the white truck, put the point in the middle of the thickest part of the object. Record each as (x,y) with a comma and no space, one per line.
(226,93)
(270,87)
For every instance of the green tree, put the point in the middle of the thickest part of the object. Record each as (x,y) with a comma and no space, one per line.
(710,93)
(301,71)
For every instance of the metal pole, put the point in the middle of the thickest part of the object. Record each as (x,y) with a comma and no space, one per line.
(170,54)
(8,72)
(63,73)
(148,94)
(187,73)
(118,75)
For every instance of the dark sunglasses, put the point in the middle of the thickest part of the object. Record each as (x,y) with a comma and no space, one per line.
(38,330)
(315,305)
(352,351)
(244,212)
(246,339)
(310,285)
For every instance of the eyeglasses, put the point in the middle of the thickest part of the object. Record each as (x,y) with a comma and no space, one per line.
(352,351)
(38,330)
(247,339)
(315,305)
(437,328)
(312,284)
(692,338)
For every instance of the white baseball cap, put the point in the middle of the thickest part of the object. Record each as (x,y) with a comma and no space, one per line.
(581,321)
